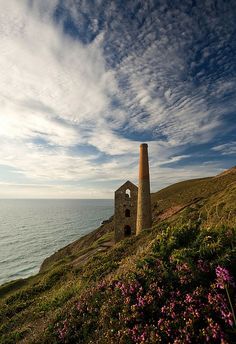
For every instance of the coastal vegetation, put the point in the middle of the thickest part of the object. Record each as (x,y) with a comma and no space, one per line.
(173,283)
(172,291)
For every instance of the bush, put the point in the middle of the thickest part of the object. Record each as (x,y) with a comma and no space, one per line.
(173,295)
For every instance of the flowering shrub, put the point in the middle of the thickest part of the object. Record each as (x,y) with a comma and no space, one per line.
(223,278)
(165,300)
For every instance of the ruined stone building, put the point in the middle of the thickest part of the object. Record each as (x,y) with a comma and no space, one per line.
(132,204)
(125,210)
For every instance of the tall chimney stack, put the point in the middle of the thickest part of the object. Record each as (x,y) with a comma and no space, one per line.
(144,213)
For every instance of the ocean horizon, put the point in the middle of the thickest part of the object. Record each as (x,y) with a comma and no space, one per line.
(33,229)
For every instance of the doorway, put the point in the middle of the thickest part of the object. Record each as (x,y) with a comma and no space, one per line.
(127,231)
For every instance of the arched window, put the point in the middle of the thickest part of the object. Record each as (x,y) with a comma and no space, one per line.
(127,231)
(127,213)
(128,193)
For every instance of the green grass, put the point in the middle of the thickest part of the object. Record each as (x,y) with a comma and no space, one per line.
(29,307)
(52,295)
(156,265)
(190,190)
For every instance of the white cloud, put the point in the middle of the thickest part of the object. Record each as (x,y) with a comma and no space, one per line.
(226,149)
(40,64)
(46,76)
(21,124)
(164,104)
(58,91)
(52,88)
(173,159)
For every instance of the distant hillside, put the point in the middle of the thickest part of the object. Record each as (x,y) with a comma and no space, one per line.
(211,199)
(146,289)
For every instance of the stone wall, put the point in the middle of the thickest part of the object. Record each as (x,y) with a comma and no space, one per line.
(125,211)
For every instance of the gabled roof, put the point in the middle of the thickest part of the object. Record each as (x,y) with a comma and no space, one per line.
(127,185)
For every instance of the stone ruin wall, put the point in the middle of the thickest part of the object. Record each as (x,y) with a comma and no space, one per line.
(125,211)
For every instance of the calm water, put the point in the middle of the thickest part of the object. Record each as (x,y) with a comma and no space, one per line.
(31,230)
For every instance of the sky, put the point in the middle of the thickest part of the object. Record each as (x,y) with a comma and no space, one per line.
(83,83)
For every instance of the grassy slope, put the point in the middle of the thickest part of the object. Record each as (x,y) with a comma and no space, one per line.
(212,198)
(28,306)
(162,260)
(187,191)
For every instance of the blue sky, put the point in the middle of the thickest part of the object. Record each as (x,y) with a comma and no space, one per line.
(83,83)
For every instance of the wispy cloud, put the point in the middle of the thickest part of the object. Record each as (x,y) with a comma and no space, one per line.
(106,76)
(226,149)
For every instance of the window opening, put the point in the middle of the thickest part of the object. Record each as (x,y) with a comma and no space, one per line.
(128,193)
(127,213)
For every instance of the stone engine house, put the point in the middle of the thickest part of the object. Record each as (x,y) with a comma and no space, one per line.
(125,210)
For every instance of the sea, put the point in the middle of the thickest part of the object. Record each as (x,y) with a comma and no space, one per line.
(31,230)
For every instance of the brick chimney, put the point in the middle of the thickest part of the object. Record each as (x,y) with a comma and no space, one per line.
(144,213)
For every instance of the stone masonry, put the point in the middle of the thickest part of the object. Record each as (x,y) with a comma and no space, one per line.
(125,210)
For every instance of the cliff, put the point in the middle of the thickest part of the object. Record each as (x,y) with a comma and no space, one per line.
(81,250)
(93,291)
(212,198)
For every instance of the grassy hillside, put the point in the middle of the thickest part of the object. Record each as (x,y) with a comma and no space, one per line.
(212,199)
(186,191)
(158,287)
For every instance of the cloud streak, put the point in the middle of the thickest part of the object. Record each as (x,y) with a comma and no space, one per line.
(106,76)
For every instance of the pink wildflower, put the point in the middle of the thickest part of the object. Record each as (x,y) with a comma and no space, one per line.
(63,331)
(223,277)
